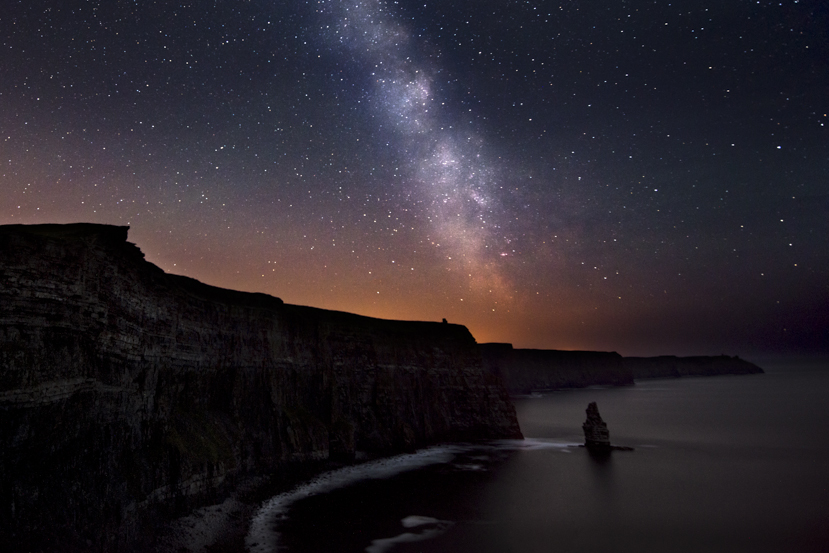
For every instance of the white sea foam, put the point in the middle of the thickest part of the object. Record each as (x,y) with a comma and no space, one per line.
(385,544)
(469,466)
(413,521)
(531,395)
(530,444)
(263,536)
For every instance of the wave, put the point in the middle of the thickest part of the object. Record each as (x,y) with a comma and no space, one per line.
(263,536)
(435,528)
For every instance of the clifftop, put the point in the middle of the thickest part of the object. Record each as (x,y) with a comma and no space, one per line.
(109,233)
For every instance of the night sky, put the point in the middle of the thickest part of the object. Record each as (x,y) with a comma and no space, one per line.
(648,177)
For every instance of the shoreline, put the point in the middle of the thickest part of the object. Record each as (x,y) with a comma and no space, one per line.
(240,522)
(222,527)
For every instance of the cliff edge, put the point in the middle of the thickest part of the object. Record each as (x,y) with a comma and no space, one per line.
(130,395)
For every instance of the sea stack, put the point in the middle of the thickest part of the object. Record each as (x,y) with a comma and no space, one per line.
(596,434)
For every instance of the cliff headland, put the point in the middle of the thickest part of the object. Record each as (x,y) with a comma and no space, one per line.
(129,396)
(525,370)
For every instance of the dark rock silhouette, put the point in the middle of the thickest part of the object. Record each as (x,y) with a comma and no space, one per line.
(525,370)
(129,396)
(670,366)
(596,434)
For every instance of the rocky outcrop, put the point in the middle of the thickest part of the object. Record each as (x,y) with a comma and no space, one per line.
(525,370)
(596,434)
(129,395)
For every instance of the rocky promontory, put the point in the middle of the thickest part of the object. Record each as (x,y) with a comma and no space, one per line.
(128,395)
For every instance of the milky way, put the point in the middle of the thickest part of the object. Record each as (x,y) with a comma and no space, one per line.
(448,183)
(642,176)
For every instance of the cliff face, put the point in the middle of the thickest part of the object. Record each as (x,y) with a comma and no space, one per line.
(524,370)
(125,390)
(668,366)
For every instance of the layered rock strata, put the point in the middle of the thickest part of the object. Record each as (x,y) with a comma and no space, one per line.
(526,370)
(596,434)
(669,366)
(128,394)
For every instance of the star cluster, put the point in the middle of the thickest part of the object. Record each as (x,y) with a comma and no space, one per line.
(643,176)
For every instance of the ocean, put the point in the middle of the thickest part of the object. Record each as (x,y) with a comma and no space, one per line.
(729,463)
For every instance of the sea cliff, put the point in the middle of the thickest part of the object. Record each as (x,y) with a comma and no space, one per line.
(129,395)
(670,366)
(527,370)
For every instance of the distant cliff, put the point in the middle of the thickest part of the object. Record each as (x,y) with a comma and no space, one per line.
(668,366)
(525,370)
(126,391)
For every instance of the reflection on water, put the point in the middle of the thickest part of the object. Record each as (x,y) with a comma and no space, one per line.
(601,470)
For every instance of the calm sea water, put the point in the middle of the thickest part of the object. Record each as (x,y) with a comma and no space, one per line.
(720,464)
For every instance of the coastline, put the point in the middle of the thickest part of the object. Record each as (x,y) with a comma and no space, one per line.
(157,394)
(726,445)
(225,527)
(222,527)
(232,526)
